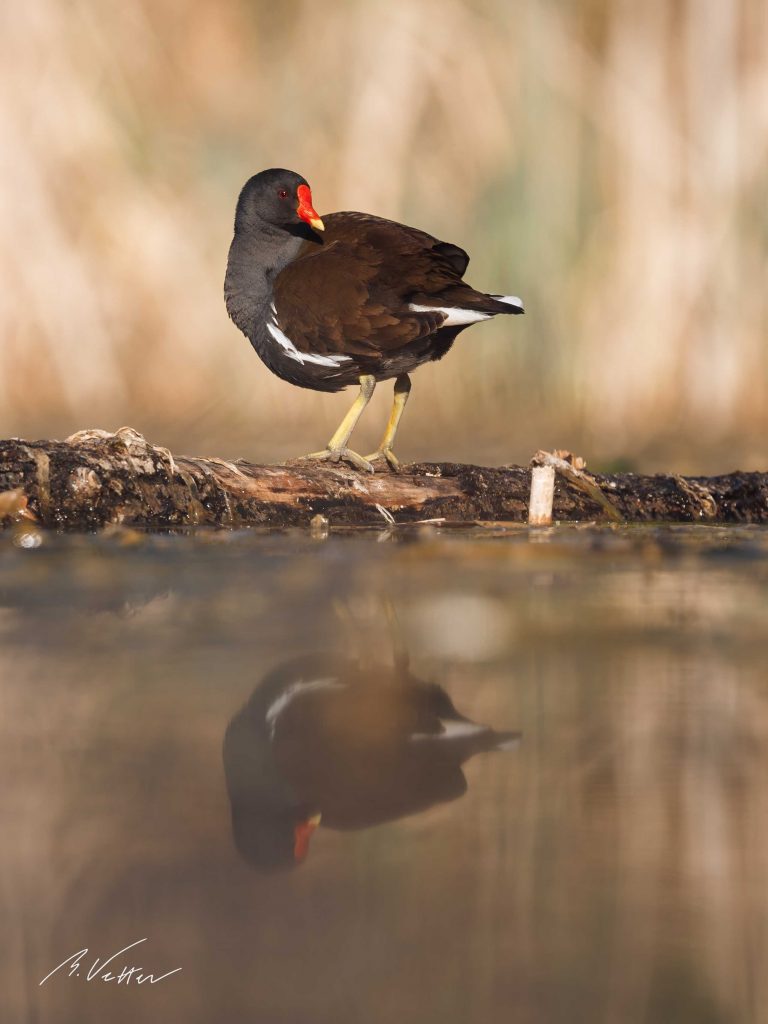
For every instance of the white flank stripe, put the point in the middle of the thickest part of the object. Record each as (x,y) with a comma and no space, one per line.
(454,316)
(277,707)
(302,357)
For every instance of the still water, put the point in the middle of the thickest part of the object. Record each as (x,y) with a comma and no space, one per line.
(253,752)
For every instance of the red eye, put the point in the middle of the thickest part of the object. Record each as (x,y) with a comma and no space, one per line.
(283,194)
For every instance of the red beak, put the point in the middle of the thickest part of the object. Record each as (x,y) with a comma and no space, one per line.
(306,210)
(302,833)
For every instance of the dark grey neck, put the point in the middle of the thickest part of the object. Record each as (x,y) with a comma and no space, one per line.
(257,254)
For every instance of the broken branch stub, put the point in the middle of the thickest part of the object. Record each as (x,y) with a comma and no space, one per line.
(542,496)
(572,468)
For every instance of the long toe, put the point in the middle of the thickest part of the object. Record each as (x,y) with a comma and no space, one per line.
(345,454)
(387,454)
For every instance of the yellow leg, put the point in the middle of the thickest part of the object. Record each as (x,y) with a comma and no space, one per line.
(384,451)
(337,446)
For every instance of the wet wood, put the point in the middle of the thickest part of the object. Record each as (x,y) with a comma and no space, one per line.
(94,479)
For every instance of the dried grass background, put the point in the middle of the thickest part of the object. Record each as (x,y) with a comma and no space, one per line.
(605,160)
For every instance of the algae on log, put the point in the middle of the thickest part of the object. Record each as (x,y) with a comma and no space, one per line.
(95,478)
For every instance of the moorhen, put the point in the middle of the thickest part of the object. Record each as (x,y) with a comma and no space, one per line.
(349,299)
(356,743)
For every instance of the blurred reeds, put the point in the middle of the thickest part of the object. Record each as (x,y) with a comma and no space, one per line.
(605,160)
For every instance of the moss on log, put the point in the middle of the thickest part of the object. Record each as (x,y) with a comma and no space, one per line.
(95,478)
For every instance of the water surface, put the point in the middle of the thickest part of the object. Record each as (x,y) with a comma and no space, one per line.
(611,867)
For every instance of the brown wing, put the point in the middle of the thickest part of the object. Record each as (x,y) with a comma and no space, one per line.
(352,293)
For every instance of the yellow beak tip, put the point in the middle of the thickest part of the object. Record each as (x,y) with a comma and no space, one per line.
(317,224)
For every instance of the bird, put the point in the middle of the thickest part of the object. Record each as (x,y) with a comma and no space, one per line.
(326,738)
(347,299)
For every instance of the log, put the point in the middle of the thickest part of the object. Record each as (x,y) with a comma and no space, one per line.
(96,478)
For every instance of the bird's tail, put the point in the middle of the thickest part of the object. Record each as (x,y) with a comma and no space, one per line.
(462,739)
(507,740)
(514,304)
(463,305)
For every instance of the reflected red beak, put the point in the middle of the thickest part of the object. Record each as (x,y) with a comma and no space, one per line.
(306,210)
(302,833)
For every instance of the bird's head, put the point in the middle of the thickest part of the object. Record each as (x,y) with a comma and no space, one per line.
(277,197)
(270,839)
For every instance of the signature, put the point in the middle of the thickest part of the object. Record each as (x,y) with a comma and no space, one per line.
(97,971)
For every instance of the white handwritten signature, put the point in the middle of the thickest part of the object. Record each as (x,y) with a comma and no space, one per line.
(97,970)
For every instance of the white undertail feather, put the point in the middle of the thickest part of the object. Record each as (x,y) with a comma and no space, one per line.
(454,316)
(457,317)
(509,744)
(452,730)
(511,300)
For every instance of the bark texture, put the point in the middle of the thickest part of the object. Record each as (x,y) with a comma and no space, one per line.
(95,478)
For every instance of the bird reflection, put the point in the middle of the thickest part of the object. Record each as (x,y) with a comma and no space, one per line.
(351,744)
